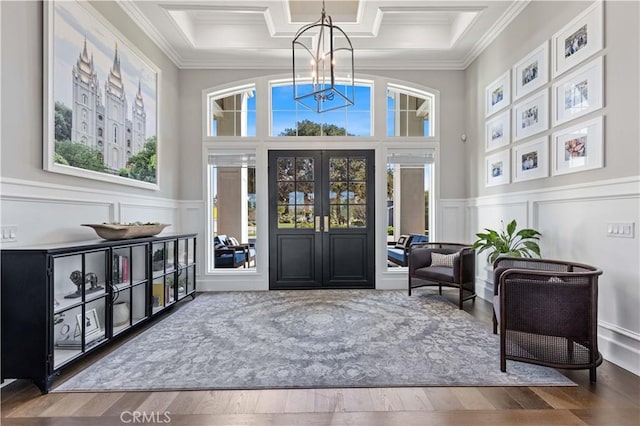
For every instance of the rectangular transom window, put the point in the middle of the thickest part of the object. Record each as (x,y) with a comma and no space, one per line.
(288,118)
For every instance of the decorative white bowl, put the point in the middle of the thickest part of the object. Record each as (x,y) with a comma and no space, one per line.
(120,232)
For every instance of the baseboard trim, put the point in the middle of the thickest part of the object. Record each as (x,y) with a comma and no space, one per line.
(619,344)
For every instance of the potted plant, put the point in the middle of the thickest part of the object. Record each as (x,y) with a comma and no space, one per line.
(522,243)
(158,259)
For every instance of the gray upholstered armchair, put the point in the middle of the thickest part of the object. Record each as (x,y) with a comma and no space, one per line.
(547,311)
(443,264)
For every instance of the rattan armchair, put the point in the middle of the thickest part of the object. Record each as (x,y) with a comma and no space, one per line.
(547,313)
(460,273)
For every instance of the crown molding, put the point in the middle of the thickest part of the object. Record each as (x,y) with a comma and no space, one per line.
(139,19)
(501,23)
(162,42)
(276,64)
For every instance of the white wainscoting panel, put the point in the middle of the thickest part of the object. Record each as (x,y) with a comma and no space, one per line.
(46,213)
(451,221)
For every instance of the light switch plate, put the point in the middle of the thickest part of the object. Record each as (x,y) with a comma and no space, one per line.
(9,233)
(621,229)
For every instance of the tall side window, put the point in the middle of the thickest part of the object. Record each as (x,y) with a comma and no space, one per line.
(232,112)
(289,118)
(409,183)
(232,210)
(409,112)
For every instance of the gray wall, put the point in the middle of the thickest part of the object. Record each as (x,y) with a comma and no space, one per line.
(22,100)
(449,83)
(537,23)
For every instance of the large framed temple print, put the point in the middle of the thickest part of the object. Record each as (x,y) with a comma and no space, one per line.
(100,99)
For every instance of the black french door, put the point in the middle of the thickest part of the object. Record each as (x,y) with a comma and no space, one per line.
(321,219)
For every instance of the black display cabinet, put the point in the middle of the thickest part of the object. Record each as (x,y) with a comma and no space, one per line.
(60,302)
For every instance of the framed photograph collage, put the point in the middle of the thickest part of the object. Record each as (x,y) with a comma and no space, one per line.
(543,128)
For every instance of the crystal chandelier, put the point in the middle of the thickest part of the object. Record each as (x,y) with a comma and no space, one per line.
(322,66)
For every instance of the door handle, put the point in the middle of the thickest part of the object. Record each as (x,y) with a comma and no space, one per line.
(317,223)
(326,224)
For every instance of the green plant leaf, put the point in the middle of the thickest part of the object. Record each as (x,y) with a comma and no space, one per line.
(532,246)
(508,242)
(528,233)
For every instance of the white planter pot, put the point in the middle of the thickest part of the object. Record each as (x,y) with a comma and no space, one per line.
(120,313)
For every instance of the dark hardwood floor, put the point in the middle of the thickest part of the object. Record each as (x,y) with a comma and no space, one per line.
(613,401)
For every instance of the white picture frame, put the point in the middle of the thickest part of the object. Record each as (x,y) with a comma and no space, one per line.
(578,40)
(531,72)
(579,93)
(498,131)
(531,116)
(530,160)
(579,147)
(88,132)
(497,169)
(497,94)
(91,324)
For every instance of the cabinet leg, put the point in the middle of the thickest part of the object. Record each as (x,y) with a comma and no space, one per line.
(44,384)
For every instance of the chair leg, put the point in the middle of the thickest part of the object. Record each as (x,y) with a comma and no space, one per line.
(409,285)
(440,289)
(495,323)
(461,297)
(592,375)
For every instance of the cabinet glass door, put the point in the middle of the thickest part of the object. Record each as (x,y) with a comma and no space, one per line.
(163,260)
(129,278)
(186,283)
(79,303)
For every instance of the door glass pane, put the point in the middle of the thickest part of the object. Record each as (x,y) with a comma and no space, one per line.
(337,192)
(285,216)
(358,193)
(337,169)
(296,199)
(357,169)
(357,216)
(285,169)
(347,192)
(304,217)
(304,169)
(285,189)
(338,216)
(304,193)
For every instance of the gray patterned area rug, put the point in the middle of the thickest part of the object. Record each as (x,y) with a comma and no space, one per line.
(310,339)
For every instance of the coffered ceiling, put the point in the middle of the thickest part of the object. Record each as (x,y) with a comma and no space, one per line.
(391,34)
